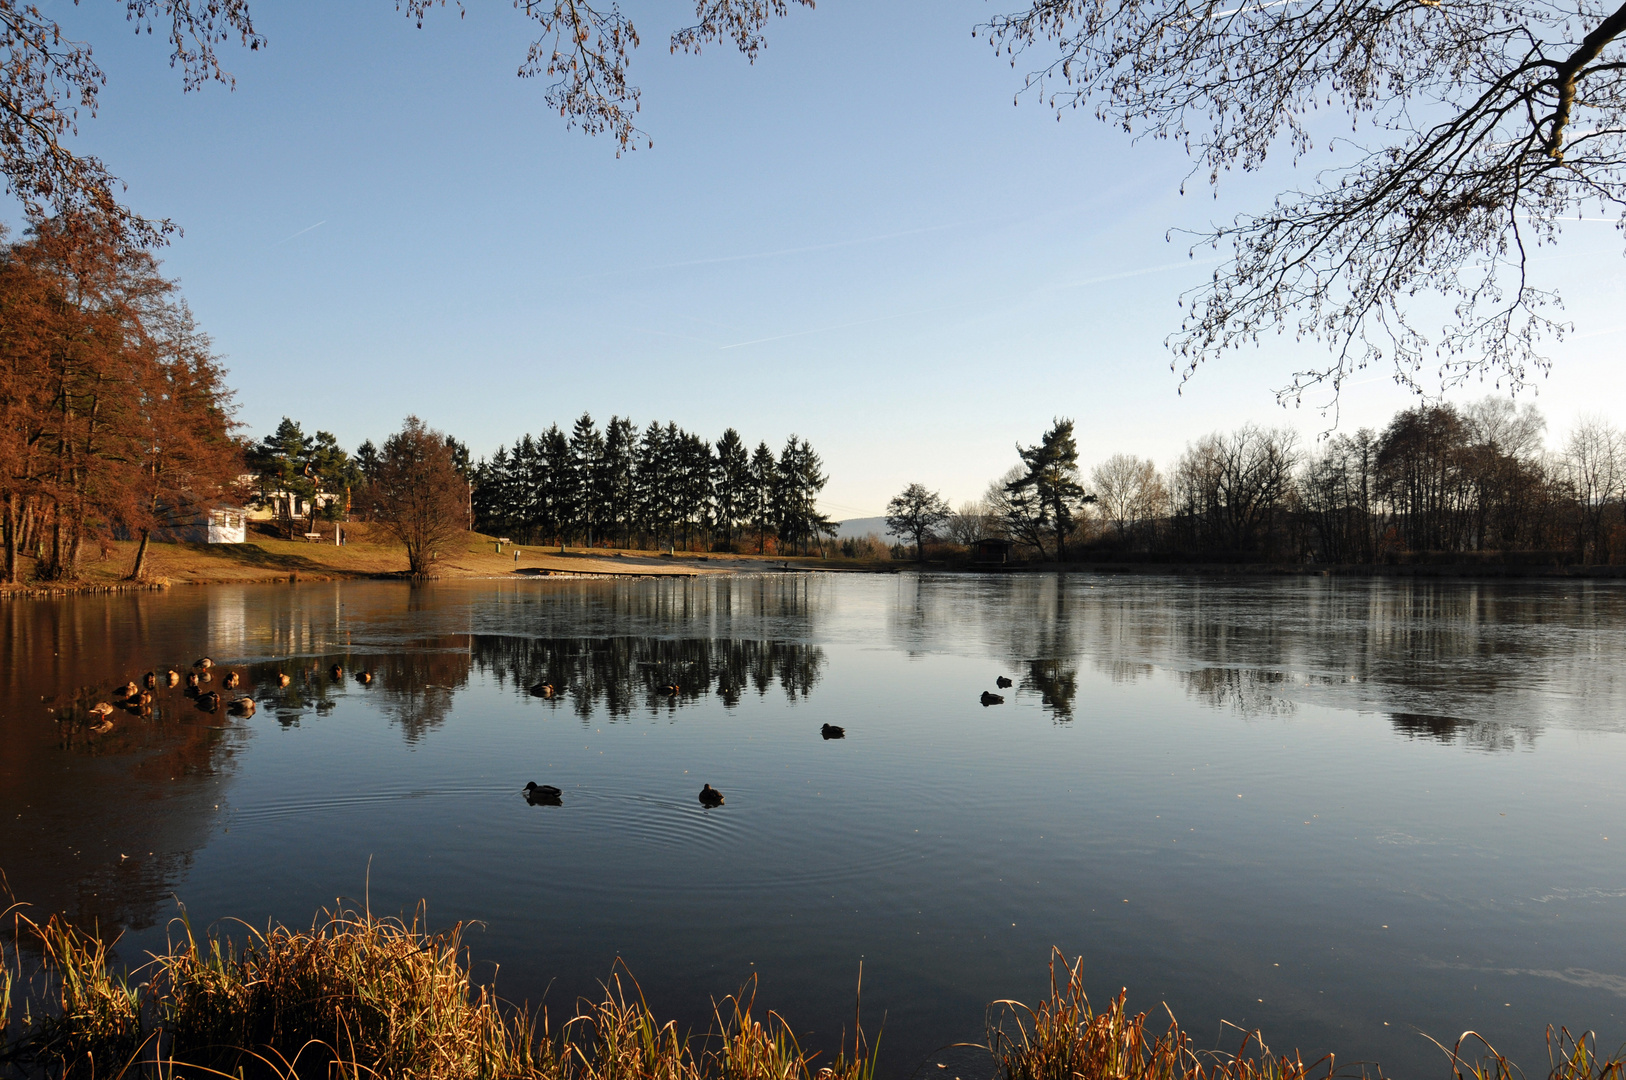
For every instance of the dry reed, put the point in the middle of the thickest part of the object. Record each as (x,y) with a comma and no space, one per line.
(358,997)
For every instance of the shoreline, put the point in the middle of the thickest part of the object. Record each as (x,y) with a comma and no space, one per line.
(269,561)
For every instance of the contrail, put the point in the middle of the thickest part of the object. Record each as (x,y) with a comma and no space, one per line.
(782,251)
(952,307)
(837,326)
(301,232)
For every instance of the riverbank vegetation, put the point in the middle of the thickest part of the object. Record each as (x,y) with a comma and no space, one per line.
(357,996)
(1440,483)
(114,413)
(661,486)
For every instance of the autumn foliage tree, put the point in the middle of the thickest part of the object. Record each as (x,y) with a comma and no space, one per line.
(113,410)
(420,494)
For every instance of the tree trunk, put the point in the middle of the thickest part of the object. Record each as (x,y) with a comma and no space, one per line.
(141,556)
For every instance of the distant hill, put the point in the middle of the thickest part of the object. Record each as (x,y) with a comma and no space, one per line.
(857,528)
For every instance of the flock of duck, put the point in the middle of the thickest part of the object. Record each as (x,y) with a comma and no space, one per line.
(710,798)
(138,699)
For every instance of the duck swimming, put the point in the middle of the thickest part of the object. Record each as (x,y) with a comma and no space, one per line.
(231,679)
(991,699)
(150,679)
(209,702)
(671,689)
(203,662)
(173,678)
(282,679)
(543,794)
(130,690)
(833,731)
(191,680)
(710,796)
(365,678)
(243,706)
(542,689)
(337,672)
(1002,682)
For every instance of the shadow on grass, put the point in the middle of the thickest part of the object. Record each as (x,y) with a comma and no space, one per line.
(256,557)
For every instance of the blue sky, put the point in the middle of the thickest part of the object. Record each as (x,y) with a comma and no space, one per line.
(859,240)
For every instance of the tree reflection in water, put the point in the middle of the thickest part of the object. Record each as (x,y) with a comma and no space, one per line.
(624,674)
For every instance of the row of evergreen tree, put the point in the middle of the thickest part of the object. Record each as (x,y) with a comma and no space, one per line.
(662,485)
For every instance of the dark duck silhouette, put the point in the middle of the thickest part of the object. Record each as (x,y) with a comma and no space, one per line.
(209,702)
(1002,682)
(130,691)
(543,794)
(542,689)
(191,680)
(710,796)
(231,680)
(991,699)
(337,672)
(833,731)
(150,679)
(671,689)
(243,706)
(365,678)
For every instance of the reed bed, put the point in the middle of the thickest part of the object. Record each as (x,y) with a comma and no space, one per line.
(358,997)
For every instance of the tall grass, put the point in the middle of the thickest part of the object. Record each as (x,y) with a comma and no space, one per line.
(357,997)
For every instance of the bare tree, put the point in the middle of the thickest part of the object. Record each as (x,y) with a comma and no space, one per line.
(1128,491)
(918,513)
(419,493)
(1596,473)
(1477,126)
(969,523)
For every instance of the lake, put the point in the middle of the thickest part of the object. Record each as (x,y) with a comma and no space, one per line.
(1348,812)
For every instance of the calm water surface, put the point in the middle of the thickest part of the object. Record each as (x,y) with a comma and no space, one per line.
(1346,812)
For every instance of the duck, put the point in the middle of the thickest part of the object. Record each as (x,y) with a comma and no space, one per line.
(710,796)
(337,672)
(209,702)
(130,690)
(991,699)
(671,689)
(191,680)
(542,689)
(243,706)
(203,662)
(1002,682)
(150,679)
(231,679)
(365,678)
(833,731)
(543,794)
(282,678)
(172,677)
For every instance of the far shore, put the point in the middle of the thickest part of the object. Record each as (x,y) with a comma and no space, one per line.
(368,554)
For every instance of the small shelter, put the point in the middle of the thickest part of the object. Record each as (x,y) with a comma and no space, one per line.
(991,550)
(201,523)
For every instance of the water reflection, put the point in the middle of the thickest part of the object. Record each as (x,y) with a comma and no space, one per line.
(1476,734)
(624,674)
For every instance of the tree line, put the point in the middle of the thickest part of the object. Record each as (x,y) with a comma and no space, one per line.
(114,413)
(658,486)
(1474,481)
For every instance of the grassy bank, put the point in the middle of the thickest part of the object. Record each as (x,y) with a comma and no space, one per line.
(357,996)
(369,552)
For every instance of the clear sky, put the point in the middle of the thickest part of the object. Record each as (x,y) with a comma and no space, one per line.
(859,240)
